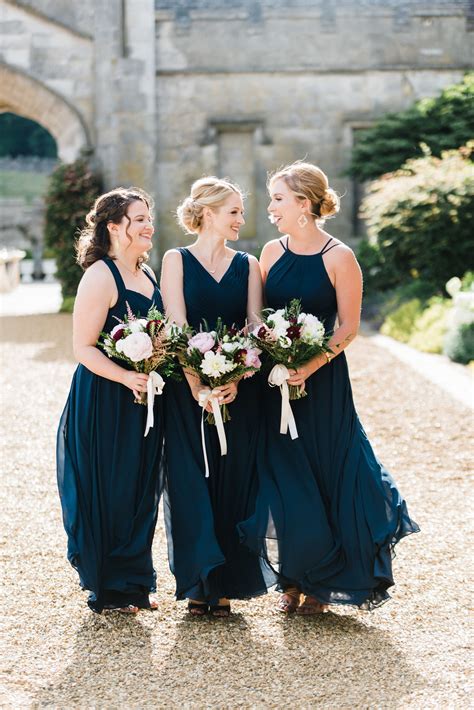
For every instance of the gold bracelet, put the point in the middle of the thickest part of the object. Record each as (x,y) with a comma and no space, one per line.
(329,357)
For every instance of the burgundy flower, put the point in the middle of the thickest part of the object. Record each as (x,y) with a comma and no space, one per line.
(240,356)
(262,332)
(117,333)
(293,332)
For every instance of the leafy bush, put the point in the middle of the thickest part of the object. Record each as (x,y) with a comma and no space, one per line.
(399,323)
(430,327)
(420,220)
(459,345)
(442,123)
(71,193)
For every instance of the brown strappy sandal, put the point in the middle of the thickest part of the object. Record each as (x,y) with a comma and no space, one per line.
(311,606)
(289,600)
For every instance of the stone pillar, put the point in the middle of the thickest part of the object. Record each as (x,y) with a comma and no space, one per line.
(124,39)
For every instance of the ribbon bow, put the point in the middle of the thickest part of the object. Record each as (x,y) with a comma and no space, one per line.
(278,378)
(154,385)
(211,396)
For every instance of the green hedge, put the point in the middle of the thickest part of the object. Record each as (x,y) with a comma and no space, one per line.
(71,194)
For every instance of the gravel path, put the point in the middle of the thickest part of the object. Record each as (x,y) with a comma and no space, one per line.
(411,653)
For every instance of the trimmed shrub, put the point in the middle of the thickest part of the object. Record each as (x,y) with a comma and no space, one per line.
(459,345)
(71,193)
(400,323)
(442,123)
(420,221)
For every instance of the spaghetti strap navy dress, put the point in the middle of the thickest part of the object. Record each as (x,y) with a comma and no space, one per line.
(201,514)
(109,476)
(328,513)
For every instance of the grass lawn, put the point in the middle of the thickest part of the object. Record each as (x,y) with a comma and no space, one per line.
(15,183)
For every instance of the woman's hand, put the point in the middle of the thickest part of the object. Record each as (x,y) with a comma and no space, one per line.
(227,393)
(135,381)
(300,375)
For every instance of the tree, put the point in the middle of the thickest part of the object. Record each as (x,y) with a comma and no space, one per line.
(443,123)
(420,219)
(71,194)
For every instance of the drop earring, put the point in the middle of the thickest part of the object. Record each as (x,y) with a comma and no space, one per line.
(302,221)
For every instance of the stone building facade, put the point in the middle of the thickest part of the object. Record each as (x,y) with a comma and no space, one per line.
(165,91)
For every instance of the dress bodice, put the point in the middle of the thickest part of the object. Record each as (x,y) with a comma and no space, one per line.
(305,277)
(207,299)
(138,302)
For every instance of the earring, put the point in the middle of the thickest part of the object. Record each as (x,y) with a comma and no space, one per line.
(302,221)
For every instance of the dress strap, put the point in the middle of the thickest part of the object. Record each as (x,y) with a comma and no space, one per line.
(147,271)
(324,250)
(119,282)
(285,248)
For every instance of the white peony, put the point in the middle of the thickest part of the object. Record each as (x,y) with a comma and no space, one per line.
(137,326)
(136,347)
(312,330)
(280,323)
(216,365)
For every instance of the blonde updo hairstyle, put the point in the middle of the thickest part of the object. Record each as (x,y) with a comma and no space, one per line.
(209,192)
(94,241)
(309,182)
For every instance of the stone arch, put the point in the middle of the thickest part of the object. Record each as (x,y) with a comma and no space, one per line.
(28,97)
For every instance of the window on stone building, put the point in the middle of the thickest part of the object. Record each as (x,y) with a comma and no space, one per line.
(236,161)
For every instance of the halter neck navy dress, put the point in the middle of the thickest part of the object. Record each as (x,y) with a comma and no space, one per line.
(109,476)
(328,513)
(205,553)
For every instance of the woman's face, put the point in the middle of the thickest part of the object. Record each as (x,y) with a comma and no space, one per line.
(229,217)
(285,208)
(138,228)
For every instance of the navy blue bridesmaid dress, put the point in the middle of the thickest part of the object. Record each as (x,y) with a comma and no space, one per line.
(109,476)
(328,513)
(205,553)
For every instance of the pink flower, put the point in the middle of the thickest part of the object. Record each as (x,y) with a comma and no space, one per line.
(202,342)
(252,358)
(136,347)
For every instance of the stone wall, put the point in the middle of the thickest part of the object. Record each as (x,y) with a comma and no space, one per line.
(287,82)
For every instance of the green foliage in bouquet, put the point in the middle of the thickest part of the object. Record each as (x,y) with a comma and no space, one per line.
(72,190)
(420,221)
(443,123)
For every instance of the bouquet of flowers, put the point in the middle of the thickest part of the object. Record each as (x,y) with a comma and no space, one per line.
(291,338)
(149,345)
(220,356)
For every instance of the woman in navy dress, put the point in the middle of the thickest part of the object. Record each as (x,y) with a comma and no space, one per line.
(199,284)
(328,512)
(108,473)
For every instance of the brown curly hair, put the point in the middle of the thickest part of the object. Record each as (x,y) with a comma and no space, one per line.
(93,242)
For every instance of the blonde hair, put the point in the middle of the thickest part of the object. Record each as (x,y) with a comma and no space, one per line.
(206,192)
(309,182)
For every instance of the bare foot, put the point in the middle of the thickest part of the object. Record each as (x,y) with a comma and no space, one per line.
(196,608)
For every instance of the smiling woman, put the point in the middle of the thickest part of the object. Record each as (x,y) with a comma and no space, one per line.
(201,284)
(108,473)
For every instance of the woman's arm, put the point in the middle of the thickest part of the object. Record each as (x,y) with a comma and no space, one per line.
(96,294)
(348,285)
(255,293)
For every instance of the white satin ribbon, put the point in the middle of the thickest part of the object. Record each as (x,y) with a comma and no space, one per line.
(278,378)
(154,385)
(211,396)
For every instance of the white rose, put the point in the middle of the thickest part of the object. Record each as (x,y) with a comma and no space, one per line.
(136,347)
(230,347)
(137,326)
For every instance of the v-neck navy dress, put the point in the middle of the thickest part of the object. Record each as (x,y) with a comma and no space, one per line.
(109,476)
(328,512)
(205,554)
